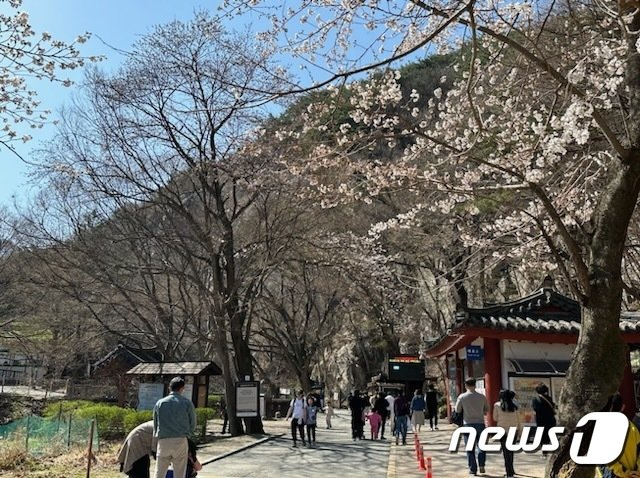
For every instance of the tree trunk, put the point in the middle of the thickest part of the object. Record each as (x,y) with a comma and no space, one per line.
(598,361)
(304,378)
(595,373)
(235,424)
(122,386)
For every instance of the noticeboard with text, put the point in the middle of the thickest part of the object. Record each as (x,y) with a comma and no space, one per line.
(525,390)
(406,368)
(149,394)
(247,399)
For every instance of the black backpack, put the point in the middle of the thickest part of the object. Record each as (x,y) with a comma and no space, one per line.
(457,418)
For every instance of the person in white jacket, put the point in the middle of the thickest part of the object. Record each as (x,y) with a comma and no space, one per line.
(505,414)
(134,453)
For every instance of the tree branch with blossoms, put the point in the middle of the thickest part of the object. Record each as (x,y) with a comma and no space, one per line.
(624,154)
(25,56)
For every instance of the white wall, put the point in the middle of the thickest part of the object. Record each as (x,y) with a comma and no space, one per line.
(536,350)
(512,349)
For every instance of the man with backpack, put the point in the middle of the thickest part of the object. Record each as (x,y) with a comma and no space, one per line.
(297,412)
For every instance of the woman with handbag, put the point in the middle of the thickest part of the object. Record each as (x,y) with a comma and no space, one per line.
(545,411)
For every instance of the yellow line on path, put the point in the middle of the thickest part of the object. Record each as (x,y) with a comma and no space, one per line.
(393,460)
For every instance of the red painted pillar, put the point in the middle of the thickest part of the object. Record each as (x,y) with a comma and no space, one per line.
(447,385)
(492,374)
(459,375)
(627,390)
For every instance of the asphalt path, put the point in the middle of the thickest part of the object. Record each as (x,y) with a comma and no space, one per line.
(30,392)
(334,455)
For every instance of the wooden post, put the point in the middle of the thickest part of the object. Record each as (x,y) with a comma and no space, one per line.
(59,416)
(26,441)
(90,450)
(69,431)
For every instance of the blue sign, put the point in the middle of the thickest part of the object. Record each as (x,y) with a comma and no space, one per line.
(474,352)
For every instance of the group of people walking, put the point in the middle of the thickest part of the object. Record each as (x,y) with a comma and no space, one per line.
(474,407)
(378,410)
(393,408)
(303,412)
(166,438)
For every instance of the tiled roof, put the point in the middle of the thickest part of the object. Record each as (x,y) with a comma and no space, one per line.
(129,355)
(543,312)
(630,322)
(552,313)
(175,368)
(522,324)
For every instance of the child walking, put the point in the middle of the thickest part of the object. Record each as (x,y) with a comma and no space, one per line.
(329,413)
(374,421)
(311,421)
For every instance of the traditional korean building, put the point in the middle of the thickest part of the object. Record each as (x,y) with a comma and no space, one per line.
(520,343)
(113,367)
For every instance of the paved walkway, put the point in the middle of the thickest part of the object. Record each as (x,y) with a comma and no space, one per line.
(336,455)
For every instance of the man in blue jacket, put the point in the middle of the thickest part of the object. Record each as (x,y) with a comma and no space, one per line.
(174,420)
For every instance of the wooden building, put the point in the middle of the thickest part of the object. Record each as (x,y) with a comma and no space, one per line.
(114,366)
(154,378)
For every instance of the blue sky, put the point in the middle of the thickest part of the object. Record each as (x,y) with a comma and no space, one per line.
(118,22)
(114,23)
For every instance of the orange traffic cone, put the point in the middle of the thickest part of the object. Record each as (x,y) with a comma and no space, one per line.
(421,462)
(429,473)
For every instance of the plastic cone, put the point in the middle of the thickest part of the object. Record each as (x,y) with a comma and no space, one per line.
(429,473)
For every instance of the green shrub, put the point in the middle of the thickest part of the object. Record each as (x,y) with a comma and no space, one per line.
(204,414)
(110,419)
(213,401)
(54,408)
(133,418)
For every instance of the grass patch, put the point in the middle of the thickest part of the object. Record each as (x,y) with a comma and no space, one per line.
(72,464)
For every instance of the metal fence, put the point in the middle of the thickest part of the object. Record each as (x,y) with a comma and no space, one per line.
(49,436)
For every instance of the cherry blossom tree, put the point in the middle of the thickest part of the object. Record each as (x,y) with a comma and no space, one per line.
(543,119)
